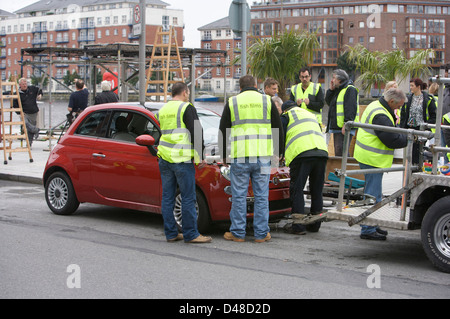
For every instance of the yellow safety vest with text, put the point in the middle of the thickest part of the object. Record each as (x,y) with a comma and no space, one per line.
(369,149)
(303,134)
(175,144)
(313,89)
(251,129)
(340,115)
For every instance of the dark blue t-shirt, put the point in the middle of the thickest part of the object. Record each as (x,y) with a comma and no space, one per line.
(78,100)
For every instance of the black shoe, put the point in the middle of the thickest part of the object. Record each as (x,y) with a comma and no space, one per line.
(381,231)
(373,236)
(295,229)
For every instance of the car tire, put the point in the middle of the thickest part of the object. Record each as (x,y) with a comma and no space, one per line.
(60,194)
(203,217)
(435,234)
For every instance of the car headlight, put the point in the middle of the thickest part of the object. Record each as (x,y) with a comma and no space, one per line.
(225,171)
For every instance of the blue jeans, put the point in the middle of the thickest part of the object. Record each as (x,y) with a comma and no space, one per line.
(183,175)
(374,184)
(240,173)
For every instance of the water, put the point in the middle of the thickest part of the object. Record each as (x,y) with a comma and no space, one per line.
(59,111)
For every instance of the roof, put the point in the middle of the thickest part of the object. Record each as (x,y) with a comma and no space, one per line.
(4,13)
(47,5)
(223,23)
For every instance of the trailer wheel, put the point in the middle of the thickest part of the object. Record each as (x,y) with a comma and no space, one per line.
(436,234)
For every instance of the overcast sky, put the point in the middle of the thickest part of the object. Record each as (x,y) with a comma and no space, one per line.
(197,13)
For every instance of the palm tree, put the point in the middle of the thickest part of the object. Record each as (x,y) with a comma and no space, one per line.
(281,57)
(381,67)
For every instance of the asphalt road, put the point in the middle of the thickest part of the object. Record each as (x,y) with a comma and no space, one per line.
(103,252)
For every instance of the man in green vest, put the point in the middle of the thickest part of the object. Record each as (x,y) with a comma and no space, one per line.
(343,101)
(181,144)
(375,149)
(306,155)
(251,124)
(308,95)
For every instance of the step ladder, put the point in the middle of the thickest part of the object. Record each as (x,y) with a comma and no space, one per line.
(164,62)
(12,130)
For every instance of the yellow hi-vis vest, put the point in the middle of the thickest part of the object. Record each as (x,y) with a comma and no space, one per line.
(369,149)
(303,134)
(447,117)
(313,89)
(251,129)
(340,115)
(175,144)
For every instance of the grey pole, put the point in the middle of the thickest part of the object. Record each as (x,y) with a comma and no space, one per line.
(142,44)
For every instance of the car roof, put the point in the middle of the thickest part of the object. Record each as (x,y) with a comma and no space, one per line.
(154,107)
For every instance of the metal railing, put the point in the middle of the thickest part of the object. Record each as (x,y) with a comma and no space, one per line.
(407,167)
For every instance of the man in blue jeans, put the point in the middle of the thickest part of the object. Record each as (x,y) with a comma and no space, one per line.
(181,145)
(250,122)
(375,149)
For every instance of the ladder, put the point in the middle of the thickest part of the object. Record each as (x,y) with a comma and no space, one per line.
(8,135)
(163,62)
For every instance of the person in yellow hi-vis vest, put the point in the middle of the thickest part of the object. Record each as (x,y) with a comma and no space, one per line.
(180,147)
(343,101)
(308,95)
(375,149)
(251,124)
(306,154)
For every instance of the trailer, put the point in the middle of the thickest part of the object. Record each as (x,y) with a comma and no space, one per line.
(422,201)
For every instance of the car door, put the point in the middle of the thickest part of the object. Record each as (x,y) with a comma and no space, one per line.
(123,173)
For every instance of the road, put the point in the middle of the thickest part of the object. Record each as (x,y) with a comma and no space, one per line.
(103,252)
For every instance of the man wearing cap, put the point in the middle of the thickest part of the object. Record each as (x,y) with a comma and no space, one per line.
(306,155)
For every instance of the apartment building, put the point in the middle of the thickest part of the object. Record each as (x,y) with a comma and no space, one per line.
(74,24)
(220,73)
(408,25)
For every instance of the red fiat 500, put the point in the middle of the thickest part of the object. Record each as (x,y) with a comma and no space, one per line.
(107,157)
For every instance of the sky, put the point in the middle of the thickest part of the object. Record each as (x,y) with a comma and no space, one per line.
(197,13)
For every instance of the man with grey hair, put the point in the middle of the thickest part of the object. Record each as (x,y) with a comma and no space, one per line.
(343,101)
(107,96)
(375,149)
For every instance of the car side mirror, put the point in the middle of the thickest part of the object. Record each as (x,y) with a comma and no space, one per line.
(149,142)
(145,140)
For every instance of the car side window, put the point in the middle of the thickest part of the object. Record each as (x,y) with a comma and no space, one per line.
(127,125)
(93,125)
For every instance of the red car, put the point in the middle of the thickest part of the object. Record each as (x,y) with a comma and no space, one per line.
(107,157)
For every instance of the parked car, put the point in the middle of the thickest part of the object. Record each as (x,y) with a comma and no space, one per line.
(108,157)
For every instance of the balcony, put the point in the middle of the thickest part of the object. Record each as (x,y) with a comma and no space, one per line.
(62,40)
(39,29)
(86,38)
(3,66)
(62,28)
(89,25)
(39,41)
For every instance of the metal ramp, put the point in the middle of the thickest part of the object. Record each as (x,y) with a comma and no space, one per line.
(387,213)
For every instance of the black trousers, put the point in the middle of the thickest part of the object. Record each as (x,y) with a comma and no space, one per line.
(300,170)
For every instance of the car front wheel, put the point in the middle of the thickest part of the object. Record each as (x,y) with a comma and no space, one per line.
(203,218)
(60,194)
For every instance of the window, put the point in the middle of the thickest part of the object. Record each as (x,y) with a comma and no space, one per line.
(371,39)
(93,125)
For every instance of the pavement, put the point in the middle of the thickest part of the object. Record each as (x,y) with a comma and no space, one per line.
(20,168)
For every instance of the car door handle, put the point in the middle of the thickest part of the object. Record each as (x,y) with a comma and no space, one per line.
(98,155)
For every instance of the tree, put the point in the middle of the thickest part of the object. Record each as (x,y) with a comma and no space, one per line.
(281,57)
(378,68)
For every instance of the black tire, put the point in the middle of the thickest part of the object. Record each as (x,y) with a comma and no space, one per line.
(203,217)
(435,234)
(60,194)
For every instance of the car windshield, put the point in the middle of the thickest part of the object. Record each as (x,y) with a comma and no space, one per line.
(210,123)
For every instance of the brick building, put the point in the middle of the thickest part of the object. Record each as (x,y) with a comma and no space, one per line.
(74,24)
(381,25)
